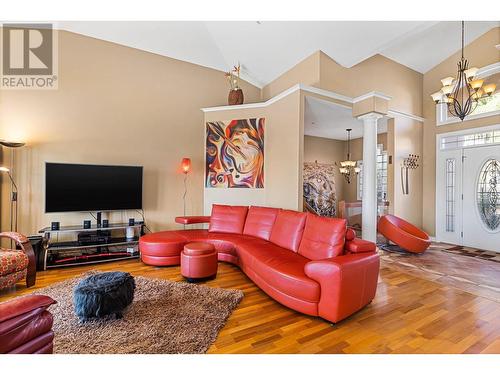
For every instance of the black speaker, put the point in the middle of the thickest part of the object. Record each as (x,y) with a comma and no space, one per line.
(105,223)
(86,224)
(54,225)
(131,221)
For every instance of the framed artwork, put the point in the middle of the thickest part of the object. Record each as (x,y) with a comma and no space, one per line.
(235,154)
(319,189)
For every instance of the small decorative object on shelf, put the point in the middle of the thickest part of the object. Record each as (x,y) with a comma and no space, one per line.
(235,96)
(411,162)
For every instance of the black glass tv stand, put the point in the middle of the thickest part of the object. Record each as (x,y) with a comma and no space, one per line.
(75,245)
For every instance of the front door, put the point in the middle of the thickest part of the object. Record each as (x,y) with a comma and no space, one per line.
(481,198)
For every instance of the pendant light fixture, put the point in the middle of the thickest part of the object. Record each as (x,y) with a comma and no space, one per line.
(348,168)
(462,94)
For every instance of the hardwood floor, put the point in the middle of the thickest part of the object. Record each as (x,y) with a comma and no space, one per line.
(409,315)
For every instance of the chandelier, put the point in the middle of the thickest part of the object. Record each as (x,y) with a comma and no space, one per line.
(462,94)
(348,167)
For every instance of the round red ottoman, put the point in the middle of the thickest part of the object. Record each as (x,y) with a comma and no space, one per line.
(198,261)
(403,233)
(161,248)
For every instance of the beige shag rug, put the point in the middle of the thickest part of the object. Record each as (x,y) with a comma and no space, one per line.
(165,317)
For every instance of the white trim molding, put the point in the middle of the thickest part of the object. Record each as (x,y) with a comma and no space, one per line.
(370,116)
(326,93)
(373,94)
(393,113)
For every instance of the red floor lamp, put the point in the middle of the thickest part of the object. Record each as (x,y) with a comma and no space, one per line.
(186,167)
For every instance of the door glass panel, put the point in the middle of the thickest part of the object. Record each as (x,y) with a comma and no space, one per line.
(488,194)
(450,195)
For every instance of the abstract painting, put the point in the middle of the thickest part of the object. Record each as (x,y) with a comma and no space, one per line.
(235,154)
(319,189)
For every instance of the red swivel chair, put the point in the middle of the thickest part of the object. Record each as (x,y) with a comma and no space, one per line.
(404,234)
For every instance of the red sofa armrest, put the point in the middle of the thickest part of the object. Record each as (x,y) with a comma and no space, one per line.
(357,245)
(347,282)
(186,220)
(20,306)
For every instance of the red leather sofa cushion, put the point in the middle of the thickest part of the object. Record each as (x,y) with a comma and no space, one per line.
(323,237)
(357,245)
(227,219)
(281,268)
(25,325)
(288,228)
(260,221)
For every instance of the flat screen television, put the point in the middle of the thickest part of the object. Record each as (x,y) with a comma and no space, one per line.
(83,187)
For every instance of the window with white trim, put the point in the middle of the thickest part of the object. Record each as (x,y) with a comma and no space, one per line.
(381,175)
(469,140)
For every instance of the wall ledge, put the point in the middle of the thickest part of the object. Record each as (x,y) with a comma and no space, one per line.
(281,95)
(373,94)
(315,90)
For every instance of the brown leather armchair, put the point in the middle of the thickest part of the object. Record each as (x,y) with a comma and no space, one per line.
(26,325)
(18,263)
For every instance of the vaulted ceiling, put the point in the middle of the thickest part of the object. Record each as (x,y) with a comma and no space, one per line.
(267,49)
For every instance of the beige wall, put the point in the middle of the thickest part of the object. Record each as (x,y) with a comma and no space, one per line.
(480,52)
(377,73)
(404,138)
(306,72)
(114,105)
(283,139)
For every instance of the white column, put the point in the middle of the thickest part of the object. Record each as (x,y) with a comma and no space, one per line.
(369,205)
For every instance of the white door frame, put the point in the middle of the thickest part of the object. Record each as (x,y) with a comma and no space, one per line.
(438,219)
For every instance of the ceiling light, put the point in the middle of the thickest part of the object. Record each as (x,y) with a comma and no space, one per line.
(348,168)
(464,92)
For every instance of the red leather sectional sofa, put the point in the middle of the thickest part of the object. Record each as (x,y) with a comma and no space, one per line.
(311,264)
(26,325)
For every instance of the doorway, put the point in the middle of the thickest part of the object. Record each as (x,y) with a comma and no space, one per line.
(468,189)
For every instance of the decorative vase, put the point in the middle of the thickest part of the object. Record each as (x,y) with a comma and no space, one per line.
(235,97)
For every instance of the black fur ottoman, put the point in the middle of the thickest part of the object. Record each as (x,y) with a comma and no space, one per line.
(103,294)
